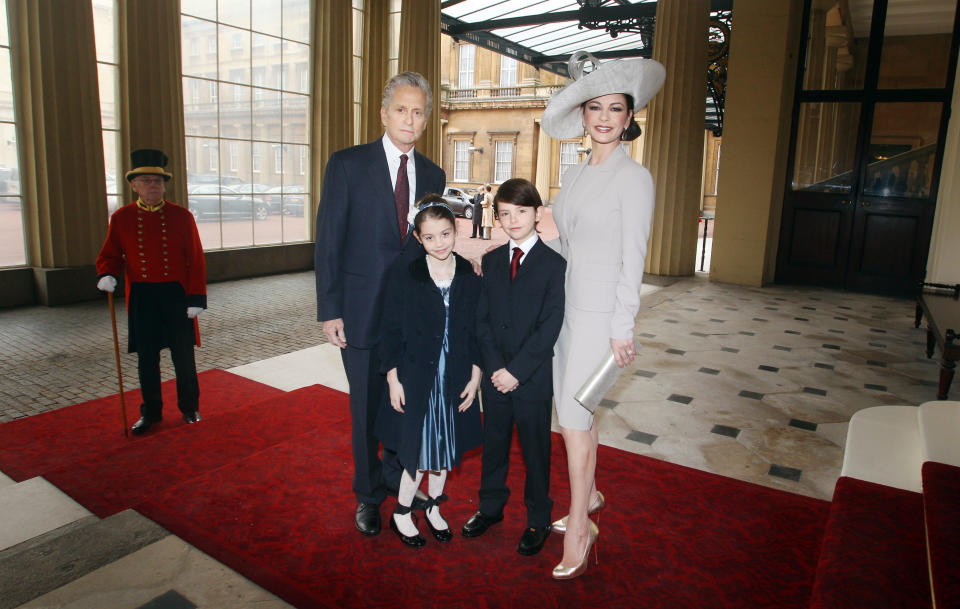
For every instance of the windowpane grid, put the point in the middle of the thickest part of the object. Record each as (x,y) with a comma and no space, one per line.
(461,161)
(246,112)
(568,157)
(12,245)
(504,162)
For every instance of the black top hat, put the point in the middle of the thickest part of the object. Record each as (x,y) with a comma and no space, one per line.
(148,162)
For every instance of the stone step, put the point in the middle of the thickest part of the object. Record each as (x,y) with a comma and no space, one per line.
(57,557)
(939,424)
(34,507)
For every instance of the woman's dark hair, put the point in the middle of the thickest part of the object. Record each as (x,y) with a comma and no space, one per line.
(633,130)
(432,206)
(518,192)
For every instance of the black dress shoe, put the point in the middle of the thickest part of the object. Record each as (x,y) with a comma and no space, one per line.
(368,518)
(415,541)
(143,426)
(191,417)
(532,540)
(479,523)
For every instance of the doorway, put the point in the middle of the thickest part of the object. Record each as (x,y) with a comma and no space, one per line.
(869,121)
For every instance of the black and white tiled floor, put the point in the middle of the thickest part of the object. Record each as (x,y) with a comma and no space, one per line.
(759,383)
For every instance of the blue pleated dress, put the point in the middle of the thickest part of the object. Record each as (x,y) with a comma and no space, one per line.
(438,448)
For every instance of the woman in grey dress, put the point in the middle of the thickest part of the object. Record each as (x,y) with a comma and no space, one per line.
(603,214)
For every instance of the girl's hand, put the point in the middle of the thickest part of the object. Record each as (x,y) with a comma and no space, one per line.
(623,351)
(469,392)
(397,399)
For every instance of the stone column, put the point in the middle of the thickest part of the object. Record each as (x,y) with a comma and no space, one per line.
(756,135)
(376,54)
(151,100)
(420,52)
(544,151)
(674,142)
(57,101)
(944,245)
(332,118)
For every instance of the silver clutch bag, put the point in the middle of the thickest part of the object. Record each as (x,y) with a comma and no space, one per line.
(602,380)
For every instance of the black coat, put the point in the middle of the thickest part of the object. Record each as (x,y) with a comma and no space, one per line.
(411,339)
(358,236)
(518,321)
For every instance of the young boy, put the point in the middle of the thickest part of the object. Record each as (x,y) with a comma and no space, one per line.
(518,320)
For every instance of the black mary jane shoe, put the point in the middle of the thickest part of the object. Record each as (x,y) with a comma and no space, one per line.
(442,535)
(143,426)
(415,541)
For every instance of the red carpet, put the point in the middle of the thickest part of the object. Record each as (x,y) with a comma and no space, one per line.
(34,445)
(941,499)
(670,537)
(266,490)
(874,553)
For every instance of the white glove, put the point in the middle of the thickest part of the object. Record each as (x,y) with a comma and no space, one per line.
(107,283)
(192,312)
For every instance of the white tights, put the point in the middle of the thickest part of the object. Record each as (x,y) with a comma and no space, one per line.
(408,488)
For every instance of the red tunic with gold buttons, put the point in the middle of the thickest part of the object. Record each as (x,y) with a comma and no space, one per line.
(156,247)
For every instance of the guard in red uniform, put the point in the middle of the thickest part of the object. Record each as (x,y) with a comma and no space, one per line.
(156,242)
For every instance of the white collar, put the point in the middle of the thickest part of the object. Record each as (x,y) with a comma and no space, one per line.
(527,245)
(392,151)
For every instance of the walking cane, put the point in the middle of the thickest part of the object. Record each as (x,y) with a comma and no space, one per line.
(116,354)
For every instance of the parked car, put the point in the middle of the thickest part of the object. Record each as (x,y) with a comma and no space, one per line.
(210,199)
(289,199)
(460,201)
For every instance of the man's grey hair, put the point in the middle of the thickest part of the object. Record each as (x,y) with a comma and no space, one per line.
(408,79)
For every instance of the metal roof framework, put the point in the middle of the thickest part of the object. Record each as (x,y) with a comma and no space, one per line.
(545,33)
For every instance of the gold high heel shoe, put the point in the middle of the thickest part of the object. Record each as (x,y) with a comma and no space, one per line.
(562,572)
(560,526)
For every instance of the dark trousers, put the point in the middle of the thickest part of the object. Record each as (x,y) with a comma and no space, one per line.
(148,369)
(477,212)
(368,388)
(532,418)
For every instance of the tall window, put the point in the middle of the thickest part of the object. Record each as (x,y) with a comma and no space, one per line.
(508,76)
(504,161)
(465,77)
(108,72)
(357,67)
(461,160)
(12,250)
(257,51)
(393,62)
(568,157)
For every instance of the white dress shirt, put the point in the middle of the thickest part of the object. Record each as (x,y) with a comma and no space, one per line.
(393,163)
(526,246)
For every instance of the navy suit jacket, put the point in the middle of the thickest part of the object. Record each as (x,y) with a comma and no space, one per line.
(518,322)
(358,237)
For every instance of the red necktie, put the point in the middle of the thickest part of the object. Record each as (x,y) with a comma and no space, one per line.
(515,262)
(401,194)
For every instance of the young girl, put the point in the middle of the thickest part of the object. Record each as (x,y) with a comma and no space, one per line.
(429,353)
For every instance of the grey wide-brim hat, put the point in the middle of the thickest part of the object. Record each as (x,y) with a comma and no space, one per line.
(638,78)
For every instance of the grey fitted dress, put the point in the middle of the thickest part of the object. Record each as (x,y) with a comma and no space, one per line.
(603,214)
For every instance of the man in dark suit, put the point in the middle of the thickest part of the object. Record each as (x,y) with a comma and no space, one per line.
(477,212)
(362,227)
(518,320)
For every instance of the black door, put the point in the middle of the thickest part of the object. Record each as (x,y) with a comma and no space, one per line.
(867,141)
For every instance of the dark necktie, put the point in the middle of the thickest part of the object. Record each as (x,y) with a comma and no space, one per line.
(515,262)
(401,194)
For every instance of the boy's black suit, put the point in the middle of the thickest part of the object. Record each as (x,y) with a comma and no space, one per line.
(517,325)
